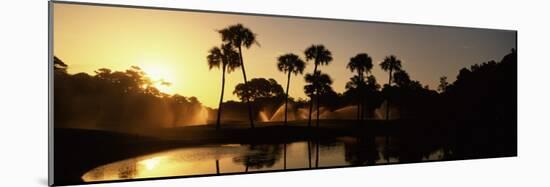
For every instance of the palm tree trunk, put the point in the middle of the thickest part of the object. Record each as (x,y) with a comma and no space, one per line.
(218,119)
(246,87)
(361,95)
(388,99)
(388,115)
(310,110)
(318,105)
(358,97)
(286,100)
(311,99)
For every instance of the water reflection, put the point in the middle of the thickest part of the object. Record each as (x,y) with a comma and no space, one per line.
(259,156)
(235,158)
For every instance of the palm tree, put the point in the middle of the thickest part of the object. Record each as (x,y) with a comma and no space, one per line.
(290,63)
(319,84)
(353,86)
(239,36)
(362,64)
(390,64)
(228,58)
(321,56)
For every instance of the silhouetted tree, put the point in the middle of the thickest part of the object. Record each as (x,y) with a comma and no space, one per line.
(353,88)
(290,63)
(228,59)
(177,101)
(59,65)
(483,101)
(318,84)
(321,56)
(258,88)
(372,84)
(390,64)
(443,84)
(117,101)
(370,93)
(401,78)
(239,36)
(362,64)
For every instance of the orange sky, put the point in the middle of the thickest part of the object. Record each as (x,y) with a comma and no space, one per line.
(173,45)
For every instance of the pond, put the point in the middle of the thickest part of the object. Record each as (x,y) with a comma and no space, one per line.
(239,158)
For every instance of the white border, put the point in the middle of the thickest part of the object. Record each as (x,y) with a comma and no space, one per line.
(24,91)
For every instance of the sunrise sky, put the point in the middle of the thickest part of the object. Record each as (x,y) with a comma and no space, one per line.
(173,45)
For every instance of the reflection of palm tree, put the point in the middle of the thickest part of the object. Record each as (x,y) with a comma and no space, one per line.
(362,64)
(309,152)
(246,165)
(318,84)
(290,63)
(390,64)
(321,56)
(260,156)
(317,154)
(284,156)
(239,36)
(217,167)
(362,152)
(228,58)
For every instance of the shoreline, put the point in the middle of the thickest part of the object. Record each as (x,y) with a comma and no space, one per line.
(78,151)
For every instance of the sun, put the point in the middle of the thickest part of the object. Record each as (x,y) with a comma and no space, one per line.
(161,76)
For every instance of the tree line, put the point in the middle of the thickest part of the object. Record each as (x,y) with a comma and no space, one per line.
(362,88)
(117,100)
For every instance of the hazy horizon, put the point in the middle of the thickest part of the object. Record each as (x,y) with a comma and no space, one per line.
(173,45)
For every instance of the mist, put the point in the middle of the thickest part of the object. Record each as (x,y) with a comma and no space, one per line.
(119,101)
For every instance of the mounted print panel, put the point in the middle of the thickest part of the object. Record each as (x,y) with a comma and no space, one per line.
(152,93)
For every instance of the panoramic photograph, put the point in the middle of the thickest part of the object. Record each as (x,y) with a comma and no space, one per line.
(147,93)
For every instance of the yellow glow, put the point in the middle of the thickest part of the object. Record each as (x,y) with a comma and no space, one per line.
(151,163)
(173,45)
(158,74)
